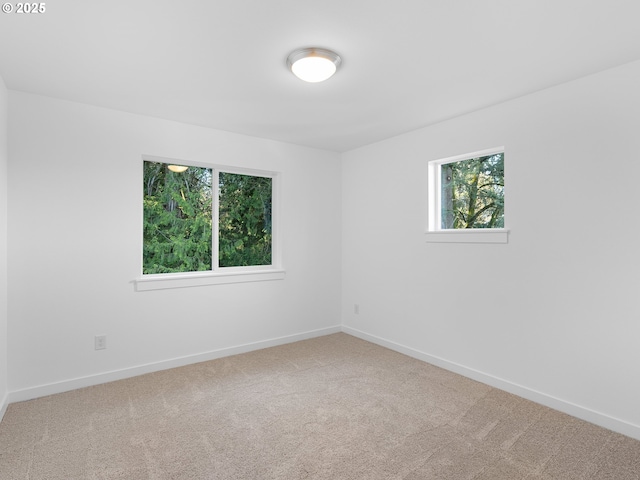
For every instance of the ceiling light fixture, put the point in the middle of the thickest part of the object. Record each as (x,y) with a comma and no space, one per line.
(177,168)
(313,64)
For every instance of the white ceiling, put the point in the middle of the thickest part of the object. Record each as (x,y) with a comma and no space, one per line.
(221,63)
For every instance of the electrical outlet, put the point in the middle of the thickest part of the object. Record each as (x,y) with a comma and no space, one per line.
(100,342)
(356,308)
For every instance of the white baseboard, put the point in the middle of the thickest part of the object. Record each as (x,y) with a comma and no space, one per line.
(569,408)
(73,384)
(4,403)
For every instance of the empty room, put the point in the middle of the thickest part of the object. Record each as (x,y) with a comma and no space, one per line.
(420,259)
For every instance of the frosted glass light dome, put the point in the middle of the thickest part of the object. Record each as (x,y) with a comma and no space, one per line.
(313,64)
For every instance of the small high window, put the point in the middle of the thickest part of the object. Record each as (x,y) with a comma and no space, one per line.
(466,194)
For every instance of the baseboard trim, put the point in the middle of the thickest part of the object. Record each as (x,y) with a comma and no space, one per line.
(81,382)
(4,403)
(569,408)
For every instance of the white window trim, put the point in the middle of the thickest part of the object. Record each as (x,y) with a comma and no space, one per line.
(473,235)
(163,281)
(436,234)
(222,275)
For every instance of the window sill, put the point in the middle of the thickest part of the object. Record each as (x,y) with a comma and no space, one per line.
(197,279)
(479,235)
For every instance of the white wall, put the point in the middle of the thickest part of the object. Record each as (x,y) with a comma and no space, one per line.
(3,246)
(554,314)
(76,240)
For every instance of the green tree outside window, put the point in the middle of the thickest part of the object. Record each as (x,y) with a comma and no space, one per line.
(178,219)
(472,194)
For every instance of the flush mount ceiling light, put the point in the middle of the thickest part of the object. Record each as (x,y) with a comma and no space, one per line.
(177,168)
(313,64)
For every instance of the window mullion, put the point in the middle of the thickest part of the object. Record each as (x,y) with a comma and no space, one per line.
(438,199)
(215,223)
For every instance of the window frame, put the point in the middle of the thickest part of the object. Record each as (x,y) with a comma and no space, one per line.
(435,233)
(221,275)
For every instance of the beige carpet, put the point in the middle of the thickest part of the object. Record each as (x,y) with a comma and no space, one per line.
(334,408)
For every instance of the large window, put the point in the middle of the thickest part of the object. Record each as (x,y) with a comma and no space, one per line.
(199,219)
(466,194)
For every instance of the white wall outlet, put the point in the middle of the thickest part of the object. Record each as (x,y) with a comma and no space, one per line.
(356,308)
(100,342)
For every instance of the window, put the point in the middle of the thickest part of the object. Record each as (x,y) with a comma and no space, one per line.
(466,198)
(177,218)
(195,234)
(244,220)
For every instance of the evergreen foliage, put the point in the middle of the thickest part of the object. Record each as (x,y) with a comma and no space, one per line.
(177,219)
(244,220)
(473,193)
(178,208)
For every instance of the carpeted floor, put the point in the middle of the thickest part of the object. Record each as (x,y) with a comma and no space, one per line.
(334,407)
